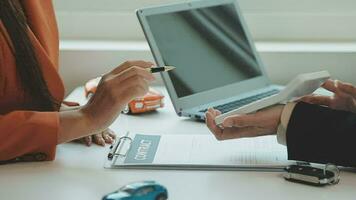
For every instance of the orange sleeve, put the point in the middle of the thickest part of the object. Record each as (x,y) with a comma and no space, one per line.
(28,136)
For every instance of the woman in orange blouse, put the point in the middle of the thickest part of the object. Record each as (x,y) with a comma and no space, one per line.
(32,121)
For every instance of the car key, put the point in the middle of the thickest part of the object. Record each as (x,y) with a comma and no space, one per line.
(311,175)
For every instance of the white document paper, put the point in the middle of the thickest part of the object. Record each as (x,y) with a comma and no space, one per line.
(202,152)
(206,150)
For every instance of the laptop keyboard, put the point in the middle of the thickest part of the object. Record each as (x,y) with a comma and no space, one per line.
(241,102)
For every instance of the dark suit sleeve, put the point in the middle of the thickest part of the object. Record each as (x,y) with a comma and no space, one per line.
(321,135)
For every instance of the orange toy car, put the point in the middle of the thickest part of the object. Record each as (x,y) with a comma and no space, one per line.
(151,101)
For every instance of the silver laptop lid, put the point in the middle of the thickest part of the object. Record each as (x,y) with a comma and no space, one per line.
(208,43)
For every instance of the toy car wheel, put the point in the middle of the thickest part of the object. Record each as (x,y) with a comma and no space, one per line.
(161,197)
(126,109)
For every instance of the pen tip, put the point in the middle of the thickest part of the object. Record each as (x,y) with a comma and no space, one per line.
(169,68)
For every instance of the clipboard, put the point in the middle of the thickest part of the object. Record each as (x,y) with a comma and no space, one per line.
(196,152)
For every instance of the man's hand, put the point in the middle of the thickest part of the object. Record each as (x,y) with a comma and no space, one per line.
(344,97)
(264,122)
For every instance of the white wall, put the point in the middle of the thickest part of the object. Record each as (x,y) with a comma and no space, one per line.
(315,34)
(267,19)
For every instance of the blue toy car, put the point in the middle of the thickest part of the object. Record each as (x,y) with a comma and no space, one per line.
(146,190)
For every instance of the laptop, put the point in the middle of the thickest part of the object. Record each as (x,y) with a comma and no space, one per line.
(216,62)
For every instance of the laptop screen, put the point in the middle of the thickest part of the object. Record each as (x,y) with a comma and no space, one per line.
(208,47)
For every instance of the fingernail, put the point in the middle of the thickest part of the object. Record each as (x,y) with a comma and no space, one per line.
(87,141)
(336,83)
(107,139)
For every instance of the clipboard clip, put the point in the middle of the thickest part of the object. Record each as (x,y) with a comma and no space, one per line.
(120,147)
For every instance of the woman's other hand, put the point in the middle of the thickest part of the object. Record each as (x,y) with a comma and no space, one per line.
(264,122)
(105,137)
(344,97)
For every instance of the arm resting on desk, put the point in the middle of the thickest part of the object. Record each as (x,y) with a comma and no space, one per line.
(322,135)
(28,134)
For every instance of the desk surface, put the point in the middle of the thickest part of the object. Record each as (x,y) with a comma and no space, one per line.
(78,173)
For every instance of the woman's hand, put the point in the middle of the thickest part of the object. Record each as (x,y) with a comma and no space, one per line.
(264,122)
(344,97)
(116,89)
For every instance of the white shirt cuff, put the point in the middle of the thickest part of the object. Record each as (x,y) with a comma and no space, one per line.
(283,125)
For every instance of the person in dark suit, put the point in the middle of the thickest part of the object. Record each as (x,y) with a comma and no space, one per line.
(319,129)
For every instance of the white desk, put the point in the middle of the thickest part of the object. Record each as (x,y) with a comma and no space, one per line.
(78,173)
